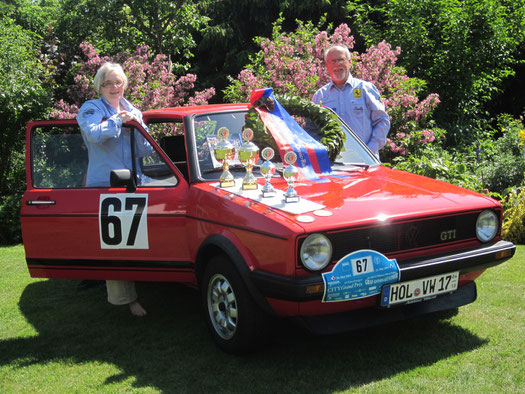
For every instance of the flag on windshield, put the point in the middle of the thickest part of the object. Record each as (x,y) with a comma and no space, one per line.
(312,156)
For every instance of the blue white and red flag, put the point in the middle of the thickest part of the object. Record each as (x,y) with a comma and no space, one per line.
(312,156)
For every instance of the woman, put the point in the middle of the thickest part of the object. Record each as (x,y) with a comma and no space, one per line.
(109,148)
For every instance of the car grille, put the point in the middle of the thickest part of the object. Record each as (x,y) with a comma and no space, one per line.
(404,236)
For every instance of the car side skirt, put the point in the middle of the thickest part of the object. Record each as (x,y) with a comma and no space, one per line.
(155,271)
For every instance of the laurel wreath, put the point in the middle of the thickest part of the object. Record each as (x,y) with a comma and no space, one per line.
(332,135)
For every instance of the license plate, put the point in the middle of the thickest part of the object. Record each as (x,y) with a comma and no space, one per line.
(419,289)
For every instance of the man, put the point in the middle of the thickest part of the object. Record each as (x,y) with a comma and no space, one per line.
(356,101)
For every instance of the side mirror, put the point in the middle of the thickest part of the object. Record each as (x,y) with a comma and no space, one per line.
(123,178)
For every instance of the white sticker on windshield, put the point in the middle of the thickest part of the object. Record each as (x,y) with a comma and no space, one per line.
(123,221)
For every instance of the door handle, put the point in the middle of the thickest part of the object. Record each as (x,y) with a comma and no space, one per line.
(40,202)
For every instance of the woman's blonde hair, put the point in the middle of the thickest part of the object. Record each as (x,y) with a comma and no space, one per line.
(103,71)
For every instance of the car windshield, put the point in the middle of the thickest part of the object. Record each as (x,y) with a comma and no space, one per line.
(207,128)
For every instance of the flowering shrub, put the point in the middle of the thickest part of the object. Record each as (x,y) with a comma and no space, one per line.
(289,63)
(514,203)
(513,228)
(403,143)
(501,163)
(152,85)
(293,63)
(435,162)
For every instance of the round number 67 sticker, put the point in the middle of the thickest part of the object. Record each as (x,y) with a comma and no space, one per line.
(123,221)
(358,275)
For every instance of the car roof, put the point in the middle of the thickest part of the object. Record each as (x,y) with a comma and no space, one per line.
(180,112)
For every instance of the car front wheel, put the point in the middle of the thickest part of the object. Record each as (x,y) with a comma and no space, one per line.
(230,312)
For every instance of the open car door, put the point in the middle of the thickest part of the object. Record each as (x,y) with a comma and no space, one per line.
(73,231)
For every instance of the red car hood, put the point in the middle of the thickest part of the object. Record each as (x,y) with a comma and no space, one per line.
(354,198)
(382,194)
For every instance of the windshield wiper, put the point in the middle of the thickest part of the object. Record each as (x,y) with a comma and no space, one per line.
(233,167)
(361,165)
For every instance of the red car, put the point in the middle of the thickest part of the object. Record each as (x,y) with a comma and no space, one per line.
(360,246)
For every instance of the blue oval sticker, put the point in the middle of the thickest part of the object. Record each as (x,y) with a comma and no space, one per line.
(358,275)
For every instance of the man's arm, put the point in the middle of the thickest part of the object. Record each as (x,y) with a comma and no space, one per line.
(379,119)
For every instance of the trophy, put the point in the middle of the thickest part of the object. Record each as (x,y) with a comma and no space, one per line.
(290,175)
(248,156)
(267,170)
(224,151)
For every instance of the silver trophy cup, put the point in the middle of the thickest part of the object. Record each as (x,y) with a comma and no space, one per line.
(267,170)
(290,175)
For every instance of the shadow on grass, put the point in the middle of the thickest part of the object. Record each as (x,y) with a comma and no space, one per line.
(170,349)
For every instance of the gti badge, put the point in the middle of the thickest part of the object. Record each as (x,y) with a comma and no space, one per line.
(448,235)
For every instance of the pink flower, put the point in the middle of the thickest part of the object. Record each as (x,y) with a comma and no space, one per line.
(152,84)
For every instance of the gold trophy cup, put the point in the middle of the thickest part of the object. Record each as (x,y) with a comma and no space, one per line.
(224,152)
(248,156)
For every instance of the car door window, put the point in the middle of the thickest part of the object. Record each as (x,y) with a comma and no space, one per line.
(169,135)
(59,159)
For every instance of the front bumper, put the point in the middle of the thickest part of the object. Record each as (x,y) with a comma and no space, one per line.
(370,317)
(464,261)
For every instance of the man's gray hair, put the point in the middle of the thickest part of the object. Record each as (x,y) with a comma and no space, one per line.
(337,47)
(104,70)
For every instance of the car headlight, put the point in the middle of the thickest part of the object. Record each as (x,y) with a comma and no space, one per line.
(316,252)
(487,226)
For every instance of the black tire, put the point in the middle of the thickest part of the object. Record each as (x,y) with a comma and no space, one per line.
(233,318)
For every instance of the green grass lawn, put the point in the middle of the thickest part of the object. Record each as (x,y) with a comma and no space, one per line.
(56,339)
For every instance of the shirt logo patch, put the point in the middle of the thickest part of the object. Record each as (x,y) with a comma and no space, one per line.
(357,93)
(89,112)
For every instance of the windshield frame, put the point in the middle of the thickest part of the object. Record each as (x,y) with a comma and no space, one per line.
(367,157)
(356,140)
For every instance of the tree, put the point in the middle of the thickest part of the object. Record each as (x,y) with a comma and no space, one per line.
(465,50)
(226,43)
(24,95)
(292,63)
(117,25)
(31,15)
